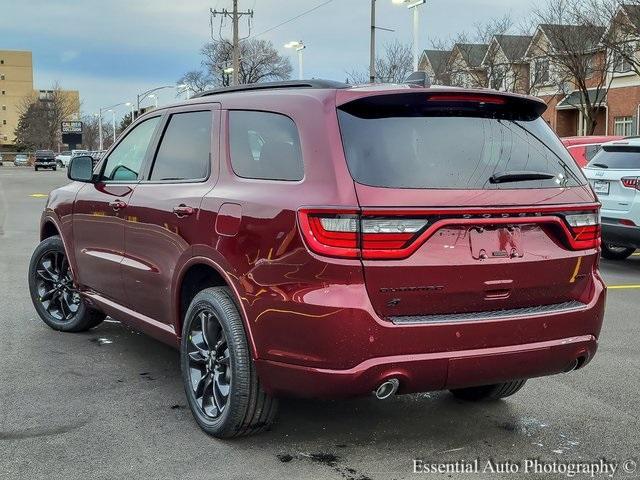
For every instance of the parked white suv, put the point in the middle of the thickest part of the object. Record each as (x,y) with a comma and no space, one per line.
(614,174)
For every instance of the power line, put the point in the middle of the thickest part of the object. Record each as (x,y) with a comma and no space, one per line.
(292,18)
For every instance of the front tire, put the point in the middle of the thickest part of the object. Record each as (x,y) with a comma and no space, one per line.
(53,293)
(220,380)
(488,392)
(613,252)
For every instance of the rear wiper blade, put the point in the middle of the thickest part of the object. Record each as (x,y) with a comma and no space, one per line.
(601,165)
(519,176)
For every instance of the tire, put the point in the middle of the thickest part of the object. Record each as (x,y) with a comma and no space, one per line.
(217,361)
(35,168)
(54,169)
(488,392)
(613,252)
(64,310)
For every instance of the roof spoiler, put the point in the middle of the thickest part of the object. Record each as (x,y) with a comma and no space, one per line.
(418,79)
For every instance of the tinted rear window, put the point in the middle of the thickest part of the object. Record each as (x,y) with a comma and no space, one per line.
(264,146)
(624,158)
(409,147)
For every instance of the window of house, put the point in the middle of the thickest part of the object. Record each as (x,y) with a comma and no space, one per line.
(185,148)
(4,122)
(2,76)
(264,146)
(623,126)
(541,71)
(498,77)
(1,62)
(125,161)
(4,107)
(3,92)
(621,60)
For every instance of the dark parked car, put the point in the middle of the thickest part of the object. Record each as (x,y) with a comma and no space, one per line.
(319,240)
(45,159)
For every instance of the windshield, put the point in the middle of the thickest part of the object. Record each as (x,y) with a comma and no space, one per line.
(623,158)
(438,151)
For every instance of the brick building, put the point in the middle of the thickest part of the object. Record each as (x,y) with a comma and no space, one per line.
(532,65)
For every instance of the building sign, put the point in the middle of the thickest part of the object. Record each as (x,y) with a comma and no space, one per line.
(71,127)
(71,133)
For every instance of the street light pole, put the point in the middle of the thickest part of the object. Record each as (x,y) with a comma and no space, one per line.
(372,44)
(100,128)
(299,46)
(413,5)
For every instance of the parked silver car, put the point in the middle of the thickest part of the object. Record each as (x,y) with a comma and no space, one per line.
(21,160)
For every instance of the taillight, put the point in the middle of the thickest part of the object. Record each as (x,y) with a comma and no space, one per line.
(584,229)
(631,182)
(347,234)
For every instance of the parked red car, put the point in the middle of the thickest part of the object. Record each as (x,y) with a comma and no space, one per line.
(583,149)
(318,240)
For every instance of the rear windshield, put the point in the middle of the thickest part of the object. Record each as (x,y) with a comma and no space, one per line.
(408,147)
(44,152)
(623,158)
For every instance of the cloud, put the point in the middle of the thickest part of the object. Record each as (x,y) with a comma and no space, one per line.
(68,55)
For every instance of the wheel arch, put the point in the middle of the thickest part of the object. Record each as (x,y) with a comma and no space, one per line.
(196,275)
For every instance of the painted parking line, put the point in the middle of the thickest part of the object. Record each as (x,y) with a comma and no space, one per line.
(623,287)
(39,195)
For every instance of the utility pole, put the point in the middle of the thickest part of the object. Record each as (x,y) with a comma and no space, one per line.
(235,16)
(372,46)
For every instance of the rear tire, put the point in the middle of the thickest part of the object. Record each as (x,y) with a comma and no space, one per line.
(53,294)
(613,252)
(220,381)
(488,392)
(35,168)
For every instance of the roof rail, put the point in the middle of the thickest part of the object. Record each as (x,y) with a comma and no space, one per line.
(275,85)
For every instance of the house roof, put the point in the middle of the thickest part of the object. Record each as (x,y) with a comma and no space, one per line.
(438,59)
(633,13)
(472,53)
(574,99)
(557,34)
(513,46)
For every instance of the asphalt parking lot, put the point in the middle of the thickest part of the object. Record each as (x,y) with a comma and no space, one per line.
(109,403)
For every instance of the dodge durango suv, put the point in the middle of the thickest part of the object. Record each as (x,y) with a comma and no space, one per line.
(314,239)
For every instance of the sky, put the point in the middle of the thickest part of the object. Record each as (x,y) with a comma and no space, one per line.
(111,50)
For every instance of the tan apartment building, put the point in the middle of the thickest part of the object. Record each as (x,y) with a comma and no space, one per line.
(16,84)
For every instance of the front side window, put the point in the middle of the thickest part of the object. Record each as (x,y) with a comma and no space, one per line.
(125,161)
(264,146)
(185,148)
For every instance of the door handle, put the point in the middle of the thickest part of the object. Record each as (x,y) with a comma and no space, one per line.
(117,204)
(183,210)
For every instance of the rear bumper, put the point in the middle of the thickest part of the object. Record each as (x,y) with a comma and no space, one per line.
(353,352)
(620,235)
(47,164)
(432,371)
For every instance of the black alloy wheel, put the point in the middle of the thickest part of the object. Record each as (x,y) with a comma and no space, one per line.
(209,364)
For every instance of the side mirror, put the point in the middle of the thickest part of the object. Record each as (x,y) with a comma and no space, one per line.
(81,169)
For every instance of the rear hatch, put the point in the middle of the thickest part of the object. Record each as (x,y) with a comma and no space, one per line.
(613,174)
(468,203)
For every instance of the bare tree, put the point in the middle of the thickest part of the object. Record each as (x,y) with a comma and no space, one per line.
(393,66)
(40,116)
(91,135)
(575,51)
(622,36)
(259,62)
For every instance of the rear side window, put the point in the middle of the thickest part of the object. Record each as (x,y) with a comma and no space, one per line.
(623,158)
(408,145)
(264,146)
(185,148)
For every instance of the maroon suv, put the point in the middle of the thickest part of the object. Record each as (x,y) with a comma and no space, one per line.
(319,240)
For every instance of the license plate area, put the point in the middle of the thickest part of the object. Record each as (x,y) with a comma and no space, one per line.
(496,242)
(601,187)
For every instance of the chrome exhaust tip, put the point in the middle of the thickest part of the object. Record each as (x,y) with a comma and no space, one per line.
(387,389)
